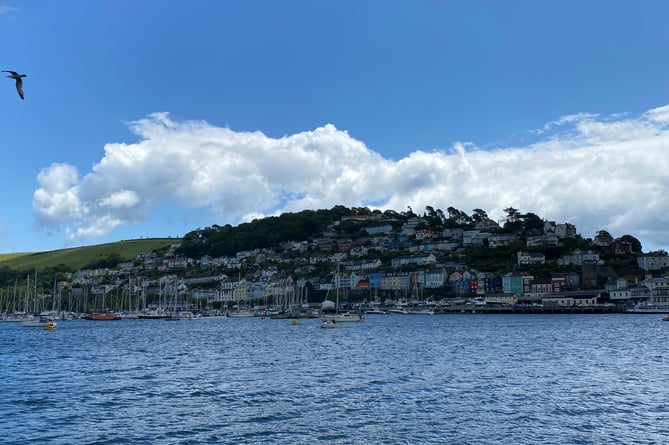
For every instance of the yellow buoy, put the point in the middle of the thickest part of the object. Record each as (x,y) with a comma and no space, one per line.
(293,322)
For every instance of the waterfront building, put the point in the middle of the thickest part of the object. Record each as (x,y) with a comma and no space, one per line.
(576,298)
(435,278)
(513,283)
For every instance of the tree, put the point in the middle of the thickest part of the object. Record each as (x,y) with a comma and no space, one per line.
(512,215)
(636,244)
(464,218)
(453,213)
(604,234)
(458,216)
(532,224)
(479,215)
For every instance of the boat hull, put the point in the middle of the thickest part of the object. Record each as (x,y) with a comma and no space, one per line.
(33,323)
(329,324)
(344,318)
(103,317)
(650,309)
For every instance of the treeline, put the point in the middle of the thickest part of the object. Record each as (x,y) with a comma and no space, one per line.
(227,240)
(270,232)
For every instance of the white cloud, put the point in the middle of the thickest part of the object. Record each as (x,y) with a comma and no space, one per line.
(564,120)
(659,115)
(122,198)
(598,173)
(58,197)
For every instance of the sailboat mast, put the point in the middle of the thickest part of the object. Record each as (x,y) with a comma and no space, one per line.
(337,291)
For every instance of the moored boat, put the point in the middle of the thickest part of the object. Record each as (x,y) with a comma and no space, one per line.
(328,305)
(375,309)
(108,316)
(329,324)
(36,322)
(16,317)
(421,312)
(241,313)
(650,308)
(345,317)
(155,314)
(397,310)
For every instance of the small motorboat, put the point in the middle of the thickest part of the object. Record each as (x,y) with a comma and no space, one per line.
(329,324)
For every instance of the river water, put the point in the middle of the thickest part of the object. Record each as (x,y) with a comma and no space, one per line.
(391,379)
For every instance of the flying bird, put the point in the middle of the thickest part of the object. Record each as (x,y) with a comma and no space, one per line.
(19,81)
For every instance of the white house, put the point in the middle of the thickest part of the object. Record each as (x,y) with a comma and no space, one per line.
(529,258)
(653,260)
(418,259)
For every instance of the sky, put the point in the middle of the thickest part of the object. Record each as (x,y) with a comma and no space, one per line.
(154,118)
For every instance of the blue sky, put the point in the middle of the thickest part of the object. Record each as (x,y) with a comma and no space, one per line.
(154,118)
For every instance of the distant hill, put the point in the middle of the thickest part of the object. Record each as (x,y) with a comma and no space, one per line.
(79,257)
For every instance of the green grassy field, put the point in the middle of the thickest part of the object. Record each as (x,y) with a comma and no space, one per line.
(78,257)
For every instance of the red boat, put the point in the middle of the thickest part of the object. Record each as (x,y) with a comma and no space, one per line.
(103,317)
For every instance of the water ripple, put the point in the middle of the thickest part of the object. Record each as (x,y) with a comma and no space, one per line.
(389,380)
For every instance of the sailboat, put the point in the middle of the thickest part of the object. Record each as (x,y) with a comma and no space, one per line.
(173,314)
(105,315)
(343,316)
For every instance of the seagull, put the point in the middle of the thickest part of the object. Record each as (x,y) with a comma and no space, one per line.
(19,80)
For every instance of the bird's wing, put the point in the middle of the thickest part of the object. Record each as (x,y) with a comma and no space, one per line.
(13,73)
(19,87)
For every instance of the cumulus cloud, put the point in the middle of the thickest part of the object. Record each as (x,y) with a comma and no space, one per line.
(595,172)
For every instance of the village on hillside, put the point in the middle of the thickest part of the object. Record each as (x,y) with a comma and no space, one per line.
(391,261)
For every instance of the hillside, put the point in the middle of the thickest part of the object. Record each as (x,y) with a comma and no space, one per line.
(79,257)
(330,227)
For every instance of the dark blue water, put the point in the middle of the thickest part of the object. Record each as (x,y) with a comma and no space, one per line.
(392,379)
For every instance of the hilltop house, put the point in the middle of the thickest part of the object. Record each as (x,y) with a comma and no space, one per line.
(376,230)
(578,258)
(503,239)
(653,260)
(471,238)
(535,241)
